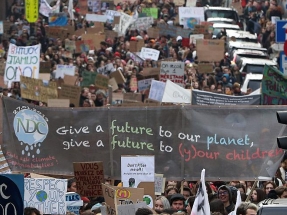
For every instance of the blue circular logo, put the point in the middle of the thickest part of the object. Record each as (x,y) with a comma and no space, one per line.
(30,127)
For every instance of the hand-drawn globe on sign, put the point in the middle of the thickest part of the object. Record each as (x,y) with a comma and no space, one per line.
(41,196)
(191,22)
(30,127)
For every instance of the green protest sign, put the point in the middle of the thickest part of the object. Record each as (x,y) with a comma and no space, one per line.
(151,12)
(88,78)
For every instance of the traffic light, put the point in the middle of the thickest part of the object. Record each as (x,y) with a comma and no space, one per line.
(282,119)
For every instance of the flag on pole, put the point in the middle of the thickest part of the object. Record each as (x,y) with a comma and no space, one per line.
(201,203)
(238,202)
(70,9)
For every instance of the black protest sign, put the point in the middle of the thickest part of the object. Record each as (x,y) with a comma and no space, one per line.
(207,137)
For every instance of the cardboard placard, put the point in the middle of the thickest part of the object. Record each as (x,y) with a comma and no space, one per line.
(179,2)
(210,50)
(67,54)
(113,83)
(70,92)
(150,71)
(45,67)
(153,32)
(205,68)
(2,68)
(84,45)
(159,184)
(35,89)
(109,195)
(98,27)
(6,26)
(134,84)
(132,195)
(132,97)
(70,45)
(80,32)
(111,34)
(45,76)
(70,80)
(120,79)
(101,81)
(136,46)
(89,177)
(95,38)
(56,32)
(58,102)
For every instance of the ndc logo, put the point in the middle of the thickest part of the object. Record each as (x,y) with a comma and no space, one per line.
(31,129)
(123,193)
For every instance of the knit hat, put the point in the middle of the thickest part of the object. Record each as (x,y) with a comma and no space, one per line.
(176,197)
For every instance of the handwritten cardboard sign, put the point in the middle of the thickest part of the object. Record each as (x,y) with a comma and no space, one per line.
(41,195)
(101,81)
(113,83)
(70,92)
(89,177)
(132,97)
(120,79)
(159,184)
(133,84)
(210,50)
(58,102)
(37,90)
(70,80)
(136,46)
(45,67)
(205,68)
(153,32)
(70,45)
(174,71)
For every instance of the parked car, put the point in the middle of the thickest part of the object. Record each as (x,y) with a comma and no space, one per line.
(252,81)
(237,54)
(272,207)
(217,27)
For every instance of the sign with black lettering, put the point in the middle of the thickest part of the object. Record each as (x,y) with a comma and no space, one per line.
(11,194)
(174,71)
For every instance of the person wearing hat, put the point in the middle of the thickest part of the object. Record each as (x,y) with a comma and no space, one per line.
(236,90)
(225,195)
(177,202)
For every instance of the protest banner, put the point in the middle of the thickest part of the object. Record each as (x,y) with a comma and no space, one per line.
(96,18)
(136,46)
(89,177)
(208,98)
(70,92)
(134,84)
(70,80)
(62,70)
(107,69)
(58,103)
(132,97)
(12,194)
(273,90)
(58,19)
(152,12)
(70,45)
(60,144)
(153,32)
(205,68)
(174,71)
(137,169)
(144,84)
(88,78)
(111,14)
(45,67)
(173,31)
(194,37)
(46,9)
(195,12)
(37,90)
(101,81)
(31,10)
(4,167)
(45,76)
(120,79)
(56,32)
(142,23)
(209,50)
(125,22)
(156,90)
(74,202)
(148,53)
(48,196)
(113,83)
(24,60)
(159,184)
(173,93)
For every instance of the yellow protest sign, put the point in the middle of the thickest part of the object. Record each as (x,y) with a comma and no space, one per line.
(31,10)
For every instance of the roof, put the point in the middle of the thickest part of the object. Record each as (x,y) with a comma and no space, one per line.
(219,20)
(245,45)
(240,34)
(257,61)
(251,76)
(225,25)
(250,52)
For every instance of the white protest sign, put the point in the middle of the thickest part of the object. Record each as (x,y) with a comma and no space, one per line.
(190,12)
(190,3)
(46,195)
(142,23)
(22,60)
(1,27)
(45,8)
(62,70)
(136,169)
(74,202)
(173,71)
(148,53)
(194,37)
(156,90)
(111,14)
(125,22)
(158,184)
(96,18)
(107,69)
(176,94)
(136,58)
(144,84)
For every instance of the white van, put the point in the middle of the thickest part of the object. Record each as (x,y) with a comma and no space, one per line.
(252,81)
(237,54)
(254,65)
(218,26)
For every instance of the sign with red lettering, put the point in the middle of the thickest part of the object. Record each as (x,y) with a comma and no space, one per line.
(174,71)
(89,177)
